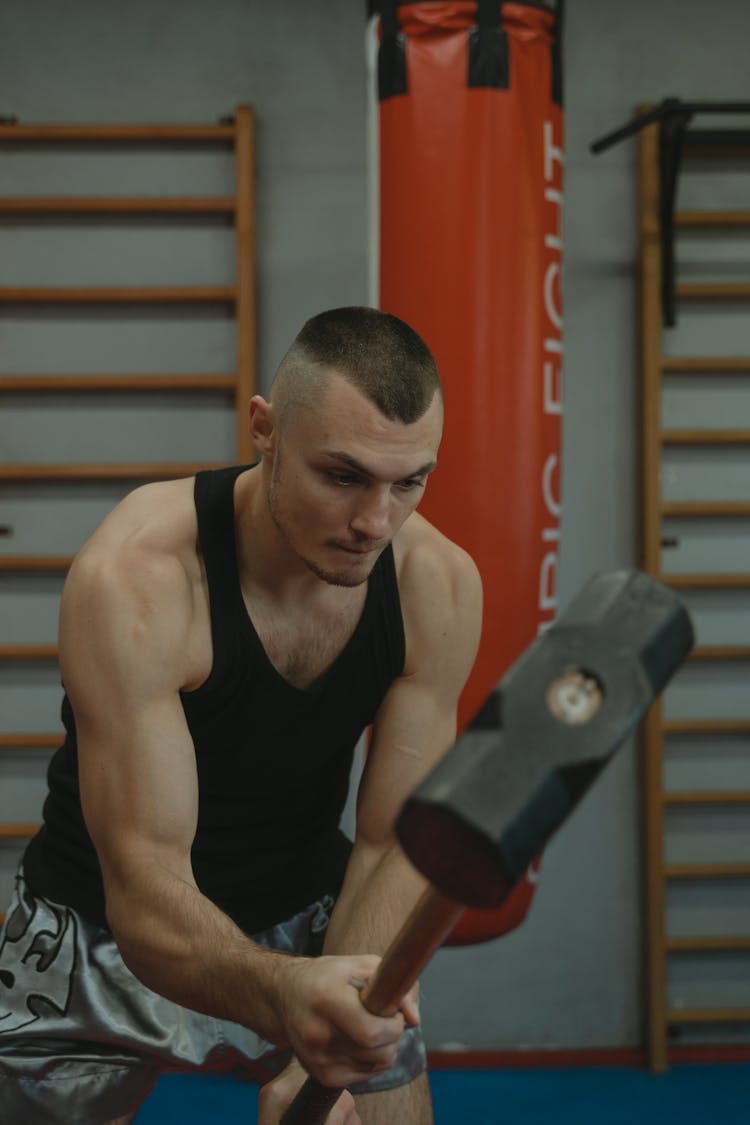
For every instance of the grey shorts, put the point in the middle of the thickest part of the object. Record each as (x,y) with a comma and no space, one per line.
(82,1041)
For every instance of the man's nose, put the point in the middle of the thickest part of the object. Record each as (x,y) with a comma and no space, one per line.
(371,519)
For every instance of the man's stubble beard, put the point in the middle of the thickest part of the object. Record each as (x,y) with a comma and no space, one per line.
(331,577)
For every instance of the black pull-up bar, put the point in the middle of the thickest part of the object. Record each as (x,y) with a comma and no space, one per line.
(673,117)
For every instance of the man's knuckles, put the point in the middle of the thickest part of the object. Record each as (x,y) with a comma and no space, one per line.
(376,1037)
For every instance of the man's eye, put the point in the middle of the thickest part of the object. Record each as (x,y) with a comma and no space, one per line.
(409,484)
(343,478)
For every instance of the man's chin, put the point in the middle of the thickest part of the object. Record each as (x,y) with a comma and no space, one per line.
(350,577)
(344,580)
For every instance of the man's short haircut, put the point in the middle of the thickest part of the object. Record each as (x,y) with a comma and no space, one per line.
(380,355)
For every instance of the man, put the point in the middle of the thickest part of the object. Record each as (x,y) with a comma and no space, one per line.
(223,643)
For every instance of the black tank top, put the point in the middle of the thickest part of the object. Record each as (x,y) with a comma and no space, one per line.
(273,760)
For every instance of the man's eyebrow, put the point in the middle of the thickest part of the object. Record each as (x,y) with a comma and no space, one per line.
(353,463)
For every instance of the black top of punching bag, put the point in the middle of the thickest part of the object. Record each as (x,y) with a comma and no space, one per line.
(488,47)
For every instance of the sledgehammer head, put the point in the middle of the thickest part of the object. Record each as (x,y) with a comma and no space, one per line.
(488,809)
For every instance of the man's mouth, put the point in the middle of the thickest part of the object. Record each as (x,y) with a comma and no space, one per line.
(350,550)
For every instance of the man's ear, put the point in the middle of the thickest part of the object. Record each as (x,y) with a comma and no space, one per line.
(262,426)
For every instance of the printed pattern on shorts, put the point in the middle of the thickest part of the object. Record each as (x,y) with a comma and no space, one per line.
(37,960)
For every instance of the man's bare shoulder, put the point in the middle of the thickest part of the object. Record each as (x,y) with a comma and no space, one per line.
(138,576)
(424,555)
(439,586)
(152,532)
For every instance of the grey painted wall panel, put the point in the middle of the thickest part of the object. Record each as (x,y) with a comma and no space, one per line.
(55,519)
(29,697)
(73,169)
(709,329)
(144,252)
(24,775)
(126,341)
(707,473)
(29,607)
(693,908)
(700,762)
(710,691)
(115,428)
(719,617)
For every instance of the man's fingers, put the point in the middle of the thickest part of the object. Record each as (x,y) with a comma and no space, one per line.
(410,1006)
(344,1112)
(343,1062)
(372,1032)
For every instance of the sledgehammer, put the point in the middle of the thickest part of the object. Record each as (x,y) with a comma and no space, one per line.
(488,809)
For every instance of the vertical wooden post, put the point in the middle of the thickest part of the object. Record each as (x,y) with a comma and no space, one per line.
(245,306)
(650,473)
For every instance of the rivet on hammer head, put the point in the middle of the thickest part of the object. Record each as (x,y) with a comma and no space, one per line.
(575,697)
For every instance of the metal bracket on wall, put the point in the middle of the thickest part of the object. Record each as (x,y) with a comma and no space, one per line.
(673,117)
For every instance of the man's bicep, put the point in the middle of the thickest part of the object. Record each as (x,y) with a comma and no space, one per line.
(139,788)
(135,756)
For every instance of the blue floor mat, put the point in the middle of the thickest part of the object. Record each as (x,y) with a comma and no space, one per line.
(695,1095)
(711,1094)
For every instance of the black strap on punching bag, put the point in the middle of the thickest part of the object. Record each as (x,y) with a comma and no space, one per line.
(489,55)
(392,51)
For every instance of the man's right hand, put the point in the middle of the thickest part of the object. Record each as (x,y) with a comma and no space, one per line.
(330,1031)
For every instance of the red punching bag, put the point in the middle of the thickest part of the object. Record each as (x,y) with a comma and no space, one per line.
(470,202)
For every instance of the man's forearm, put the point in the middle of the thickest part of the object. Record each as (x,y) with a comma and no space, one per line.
(178,943)
(183,947)
(380,890)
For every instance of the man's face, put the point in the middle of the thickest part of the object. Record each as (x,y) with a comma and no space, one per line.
(344,479)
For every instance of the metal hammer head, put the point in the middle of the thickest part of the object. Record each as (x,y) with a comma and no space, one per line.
(488,809)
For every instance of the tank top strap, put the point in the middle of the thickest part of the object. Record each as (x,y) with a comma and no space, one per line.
(214,506)
(386,585)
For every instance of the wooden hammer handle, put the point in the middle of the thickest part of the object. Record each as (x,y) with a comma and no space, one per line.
(421,935)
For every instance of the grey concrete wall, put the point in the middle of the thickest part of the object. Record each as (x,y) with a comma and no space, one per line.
(572,976)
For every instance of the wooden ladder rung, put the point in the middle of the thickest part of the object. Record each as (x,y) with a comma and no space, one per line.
(699,365)
(705,437)
(117,205)
(707,220)
(726,291)
(702,509)
(707,797)
(18,831)
(153,470)
(22,654)
(707,870)
(123,134)
(35,564)
(706,581)
(706,726)
(24,384)
(121,294)
(708,1015)
(707,944)
(10,741)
